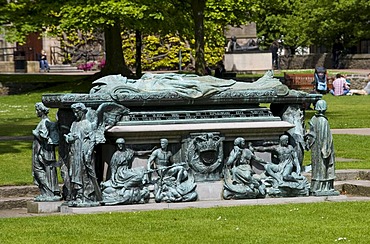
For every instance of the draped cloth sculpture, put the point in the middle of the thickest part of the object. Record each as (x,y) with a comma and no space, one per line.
(320,141)
(125,185)
(85,190)
(240,180)
(184,85)
(43,156)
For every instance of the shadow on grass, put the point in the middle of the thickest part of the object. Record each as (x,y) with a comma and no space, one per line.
(21,84)
(14,147)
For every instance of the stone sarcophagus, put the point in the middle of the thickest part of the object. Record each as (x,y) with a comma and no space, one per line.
(200,119)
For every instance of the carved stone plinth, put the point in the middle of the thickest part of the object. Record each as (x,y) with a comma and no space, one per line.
(43,207)
(209,190)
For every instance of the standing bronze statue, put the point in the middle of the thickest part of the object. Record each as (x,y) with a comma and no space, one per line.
(320,141)
(43,156)
(85,190)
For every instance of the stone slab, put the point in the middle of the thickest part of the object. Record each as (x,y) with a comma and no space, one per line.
(243,62)
(211,190)
(43,207)
(208,204)
(174,132)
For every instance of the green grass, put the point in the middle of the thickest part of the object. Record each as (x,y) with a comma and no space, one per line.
(41,78)
(15,162)
(326,222)
(353,148)
(347,111)
(17,112)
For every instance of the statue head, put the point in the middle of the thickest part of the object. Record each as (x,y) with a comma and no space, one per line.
(321,106)
(120,144)
(240,142)
(120,141)
(40,107)
(79,110)
(164,142)
(79,107)
(284,139)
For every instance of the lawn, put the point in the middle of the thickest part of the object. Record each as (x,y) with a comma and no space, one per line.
(327,222)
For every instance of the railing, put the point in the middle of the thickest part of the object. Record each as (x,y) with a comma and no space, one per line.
(17,53)
(73,55)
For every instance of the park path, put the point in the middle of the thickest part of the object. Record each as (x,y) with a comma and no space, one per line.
(355,131)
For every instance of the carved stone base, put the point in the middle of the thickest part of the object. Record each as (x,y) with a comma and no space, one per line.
(325,193)
(209,190)
(43,207)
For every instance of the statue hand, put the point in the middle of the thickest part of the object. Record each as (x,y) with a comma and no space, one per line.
(50,141)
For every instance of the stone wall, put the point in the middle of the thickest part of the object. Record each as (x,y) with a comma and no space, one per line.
(310,61)
(33,67)
(8,67)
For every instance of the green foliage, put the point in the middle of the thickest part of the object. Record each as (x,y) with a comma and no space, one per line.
(271,18)
(163,52)
(322,23)
(326,222)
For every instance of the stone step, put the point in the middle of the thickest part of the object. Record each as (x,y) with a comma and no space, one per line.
(64,68)
(14,202)
(347,174)
(353,187)
(18,191)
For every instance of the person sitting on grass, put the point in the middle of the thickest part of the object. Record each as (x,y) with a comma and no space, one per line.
(340,86)
(364,91)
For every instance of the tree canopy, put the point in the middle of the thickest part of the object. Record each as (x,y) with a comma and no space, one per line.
(301,23)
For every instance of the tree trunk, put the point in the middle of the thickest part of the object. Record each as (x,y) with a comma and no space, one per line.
(138,53)
(115,62)
(198,7)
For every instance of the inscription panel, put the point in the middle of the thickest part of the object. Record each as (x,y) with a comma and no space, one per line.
(205,115)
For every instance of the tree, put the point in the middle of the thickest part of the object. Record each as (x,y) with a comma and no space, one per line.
(209,18)
(303,23)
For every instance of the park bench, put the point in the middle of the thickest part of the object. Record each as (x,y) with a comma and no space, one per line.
(302,82)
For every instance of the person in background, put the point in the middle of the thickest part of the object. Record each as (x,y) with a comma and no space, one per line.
(208,70)
(347,80)
(336,52)
(44,65)
(274,48)
(340,86)
(220,70)
(364,91)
